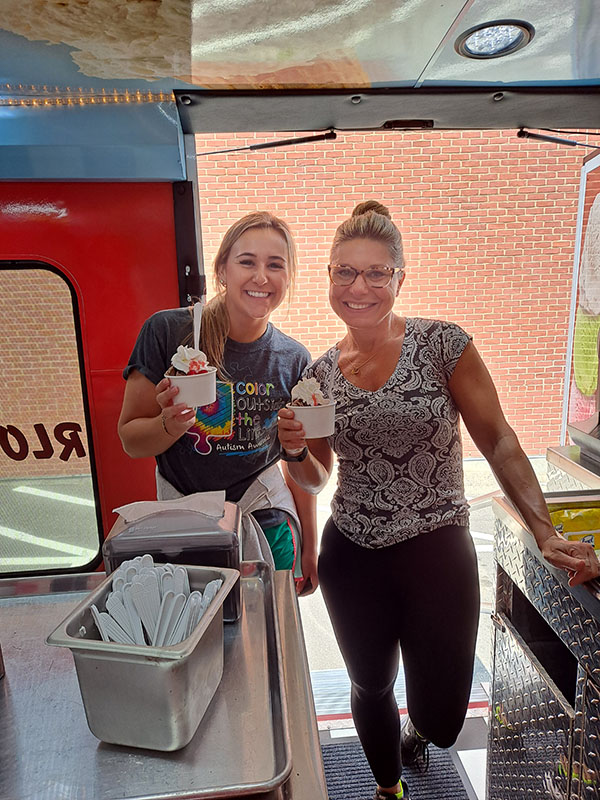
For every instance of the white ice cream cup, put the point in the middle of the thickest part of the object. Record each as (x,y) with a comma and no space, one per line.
(195,390)
(317,421)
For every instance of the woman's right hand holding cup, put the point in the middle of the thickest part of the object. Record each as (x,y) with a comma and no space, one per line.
(291,432)
(176,418)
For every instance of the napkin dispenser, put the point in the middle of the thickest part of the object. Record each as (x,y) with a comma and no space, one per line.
(181,537)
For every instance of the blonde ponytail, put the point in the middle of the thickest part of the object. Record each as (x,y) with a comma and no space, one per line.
(214,332)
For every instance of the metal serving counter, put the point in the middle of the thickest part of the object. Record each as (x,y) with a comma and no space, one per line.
(570,468)
(47,751)
(544,738)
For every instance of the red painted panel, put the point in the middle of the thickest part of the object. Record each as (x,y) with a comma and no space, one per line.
(115,242)
(121,479)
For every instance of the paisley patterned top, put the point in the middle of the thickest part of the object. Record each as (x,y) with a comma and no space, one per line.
(399,449)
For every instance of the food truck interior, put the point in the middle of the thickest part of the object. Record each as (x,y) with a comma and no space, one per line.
(131,135)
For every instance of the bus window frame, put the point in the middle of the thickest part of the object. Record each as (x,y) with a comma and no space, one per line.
(91,566)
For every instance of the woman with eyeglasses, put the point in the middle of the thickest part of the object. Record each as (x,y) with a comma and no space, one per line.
(397,565)
(231,444)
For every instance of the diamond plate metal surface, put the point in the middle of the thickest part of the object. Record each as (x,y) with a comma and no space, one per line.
(530,727)
(574,626)
(538,745)
(587,765)
(577,750)
(560,481)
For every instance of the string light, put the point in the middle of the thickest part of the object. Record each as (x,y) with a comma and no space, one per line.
(43,97)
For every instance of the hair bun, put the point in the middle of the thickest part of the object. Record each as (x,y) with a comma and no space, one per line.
(371,205)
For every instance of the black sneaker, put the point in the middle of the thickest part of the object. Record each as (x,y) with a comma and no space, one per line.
(401,795)
(413,747)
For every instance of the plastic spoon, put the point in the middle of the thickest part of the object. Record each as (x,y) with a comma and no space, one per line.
(150,580)
(176,606)
(164,616)
(116,609)
(185,624)
(110,630)
(146,599)
(178,633)
(209,593)
(197,322)
(194,603)
(99,623)
(114,630)
(211,589)
(167,582)
(134,618)
(181,581)
(186,583)
(130,574)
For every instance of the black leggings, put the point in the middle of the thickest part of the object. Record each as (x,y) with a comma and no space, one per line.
(421,594)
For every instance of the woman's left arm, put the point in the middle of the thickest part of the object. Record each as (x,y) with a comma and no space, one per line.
(306,506)
(476,398)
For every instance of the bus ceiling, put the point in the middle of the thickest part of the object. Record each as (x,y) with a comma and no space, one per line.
(102,90)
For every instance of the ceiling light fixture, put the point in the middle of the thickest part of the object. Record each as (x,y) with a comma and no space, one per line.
(494,39)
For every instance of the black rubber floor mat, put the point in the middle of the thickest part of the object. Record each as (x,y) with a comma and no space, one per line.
(349,777)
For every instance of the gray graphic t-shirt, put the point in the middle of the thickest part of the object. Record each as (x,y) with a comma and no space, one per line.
(235,438)
(399,449)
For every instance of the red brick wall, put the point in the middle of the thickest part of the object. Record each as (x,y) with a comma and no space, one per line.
(41,383)
(489,229)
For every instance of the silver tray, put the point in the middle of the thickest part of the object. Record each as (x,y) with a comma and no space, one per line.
(241,747)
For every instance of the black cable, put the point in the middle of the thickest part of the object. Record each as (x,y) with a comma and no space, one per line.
(331,134)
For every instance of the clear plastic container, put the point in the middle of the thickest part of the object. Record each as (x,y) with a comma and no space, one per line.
(182,537)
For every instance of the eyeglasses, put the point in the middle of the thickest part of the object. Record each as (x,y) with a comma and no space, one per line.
(376,277)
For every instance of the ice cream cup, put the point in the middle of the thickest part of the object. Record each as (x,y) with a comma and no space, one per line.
(195,390)
(317,421)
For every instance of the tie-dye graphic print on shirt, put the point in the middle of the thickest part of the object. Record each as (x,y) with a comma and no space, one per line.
(243,419)
(236,424)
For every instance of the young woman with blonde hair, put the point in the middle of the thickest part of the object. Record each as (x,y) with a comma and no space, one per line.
(231,444)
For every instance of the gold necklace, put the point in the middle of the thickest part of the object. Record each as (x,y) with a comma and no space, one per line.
(355,370)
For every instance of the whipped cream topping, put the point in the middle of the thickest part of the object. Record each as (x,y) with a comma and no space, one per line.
(189,360)
(308,392)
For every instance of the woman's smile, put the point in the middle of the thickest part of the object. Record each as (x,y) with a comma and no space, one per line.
(357,306)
